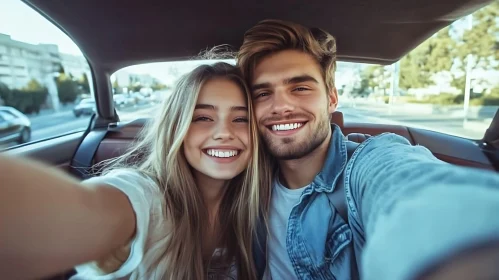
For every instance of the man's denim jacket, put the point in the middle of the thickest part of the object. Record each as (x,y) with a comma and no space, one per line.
(406,211)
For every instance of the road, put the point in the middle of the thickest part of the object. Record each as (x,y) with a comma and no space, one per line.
(48,125)
(65,121)
(445,124)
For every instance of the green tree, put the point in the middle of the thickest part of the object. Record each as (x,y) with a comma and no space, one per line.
(158,86)
(432,56)
(5,94)
(27,100)
(67,89)
(136,87)
(481,42)
(84,83)
(33,85)
(116,87)
(368,80)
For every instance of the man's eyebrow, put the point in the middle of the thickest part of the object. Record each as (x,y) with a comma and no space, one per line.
(300,79)
(260,86)
(212,107)
(292,80)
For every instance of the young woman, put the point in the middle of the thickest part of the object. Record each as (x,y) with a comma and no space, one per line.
(182,204)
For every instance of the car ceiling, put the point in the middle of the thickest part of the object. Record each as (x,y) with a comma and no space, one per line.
(113,34)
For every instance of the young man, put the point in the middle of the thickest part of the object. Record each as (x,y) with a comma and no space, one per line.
(405,210)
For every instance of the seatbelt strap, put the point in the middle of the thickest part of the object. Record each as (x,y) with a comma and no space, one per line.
(337,197)
(83,158)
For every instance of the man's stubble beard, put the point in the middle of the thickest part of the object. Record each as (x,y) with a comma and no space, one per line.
(288,148)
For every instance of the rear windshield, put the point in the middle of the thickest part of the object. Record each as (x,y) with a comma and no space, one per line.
(449,83)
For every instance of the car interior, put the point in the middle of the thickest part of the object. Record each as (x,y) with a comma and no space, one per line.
(115,34)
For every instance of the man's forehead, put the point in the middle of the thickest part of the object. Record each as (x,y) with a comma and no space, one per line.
(282,66)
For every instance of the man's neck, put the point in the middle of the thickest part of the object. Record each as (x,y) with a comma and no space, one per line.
(297,173)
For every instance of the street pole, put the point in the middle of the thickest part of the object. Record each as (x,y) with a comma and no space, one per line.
(467,87)
(394,83)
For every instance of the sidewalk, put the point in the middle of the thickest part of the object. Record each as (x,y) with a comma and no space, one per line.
(475,113)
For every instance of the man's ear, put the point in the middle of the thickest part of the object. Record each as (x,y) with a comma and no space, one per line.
(332,98)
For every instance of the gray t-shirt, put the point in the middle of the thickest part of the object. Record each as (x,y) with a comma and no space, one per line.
(282,202)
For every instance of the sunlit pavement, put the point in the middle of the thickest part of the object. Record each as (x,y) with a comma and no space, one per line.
(473,129)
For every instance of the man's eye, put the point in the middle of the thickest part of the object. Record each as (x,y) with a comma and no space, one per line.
(202,119)
(261,94)
(301,89)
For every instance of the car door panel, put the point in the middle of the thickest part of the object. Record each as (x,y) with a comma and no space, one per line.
(56,152)
(452,149)
(449,148)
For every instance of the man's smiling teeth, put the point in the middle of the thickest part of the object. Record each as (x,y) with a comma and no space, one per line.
(288,126)
(222,153)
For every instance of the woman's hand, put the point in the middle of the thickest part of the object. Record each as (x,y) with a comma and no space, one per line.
(50,222)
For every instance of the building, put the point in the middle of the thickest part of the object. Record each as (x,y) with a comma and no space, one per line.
(125,79)
(21,62)
(75,65)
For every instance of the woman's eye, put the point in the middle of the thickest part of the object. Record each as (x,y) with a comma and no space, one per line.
(241,119)
(202,119)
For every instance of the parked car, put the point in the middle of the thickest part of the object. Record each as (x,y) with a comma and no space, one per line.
(120,100)
(85,107)
(14,126)
(138,98)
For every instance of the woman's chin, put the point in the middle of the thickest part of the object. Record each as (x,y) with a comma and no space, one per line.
(223,175)
(217,174)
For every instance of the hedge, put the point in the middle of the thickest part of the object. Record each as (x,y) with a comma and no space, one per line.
(24,100)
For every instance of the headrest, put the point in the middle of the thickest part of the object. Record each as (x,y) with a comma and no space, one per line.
(337,118)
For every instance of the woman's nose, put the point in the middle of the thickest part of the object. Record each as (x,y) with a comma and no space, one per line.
(223,131)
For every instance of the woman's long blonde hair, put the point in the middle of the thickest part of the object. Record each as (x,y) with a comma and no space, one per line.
(159,155)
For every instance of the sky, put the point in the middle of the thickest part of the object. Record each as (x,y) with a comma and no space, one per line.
(23,23)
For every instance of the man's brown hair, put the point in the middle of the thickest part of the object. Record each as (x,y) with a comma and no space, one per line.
(271,36)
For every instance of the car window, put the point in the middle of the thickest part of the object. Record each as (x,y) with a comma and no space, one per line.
(8,115)
(138,88)
(43,74)
(425,89)
(449,83)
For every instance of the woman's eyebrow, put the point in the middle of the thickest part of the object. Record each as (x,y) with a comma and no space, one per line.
(205,106)
(239,108)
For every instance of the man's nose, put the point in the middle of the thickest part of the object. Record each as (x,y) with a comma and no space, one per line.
(282,103)
(223,131)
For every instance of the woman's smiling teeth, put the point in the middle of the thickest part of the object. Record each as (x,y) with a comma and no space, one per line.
(288,126)
(222,153)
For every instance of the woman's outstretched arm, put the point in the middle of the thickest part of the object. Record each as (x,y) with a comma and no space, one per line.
(49,222)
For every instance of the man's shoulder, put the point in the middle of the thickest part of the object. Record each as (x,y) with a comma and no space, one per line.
(385,140)
(388,138)
(387,146)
